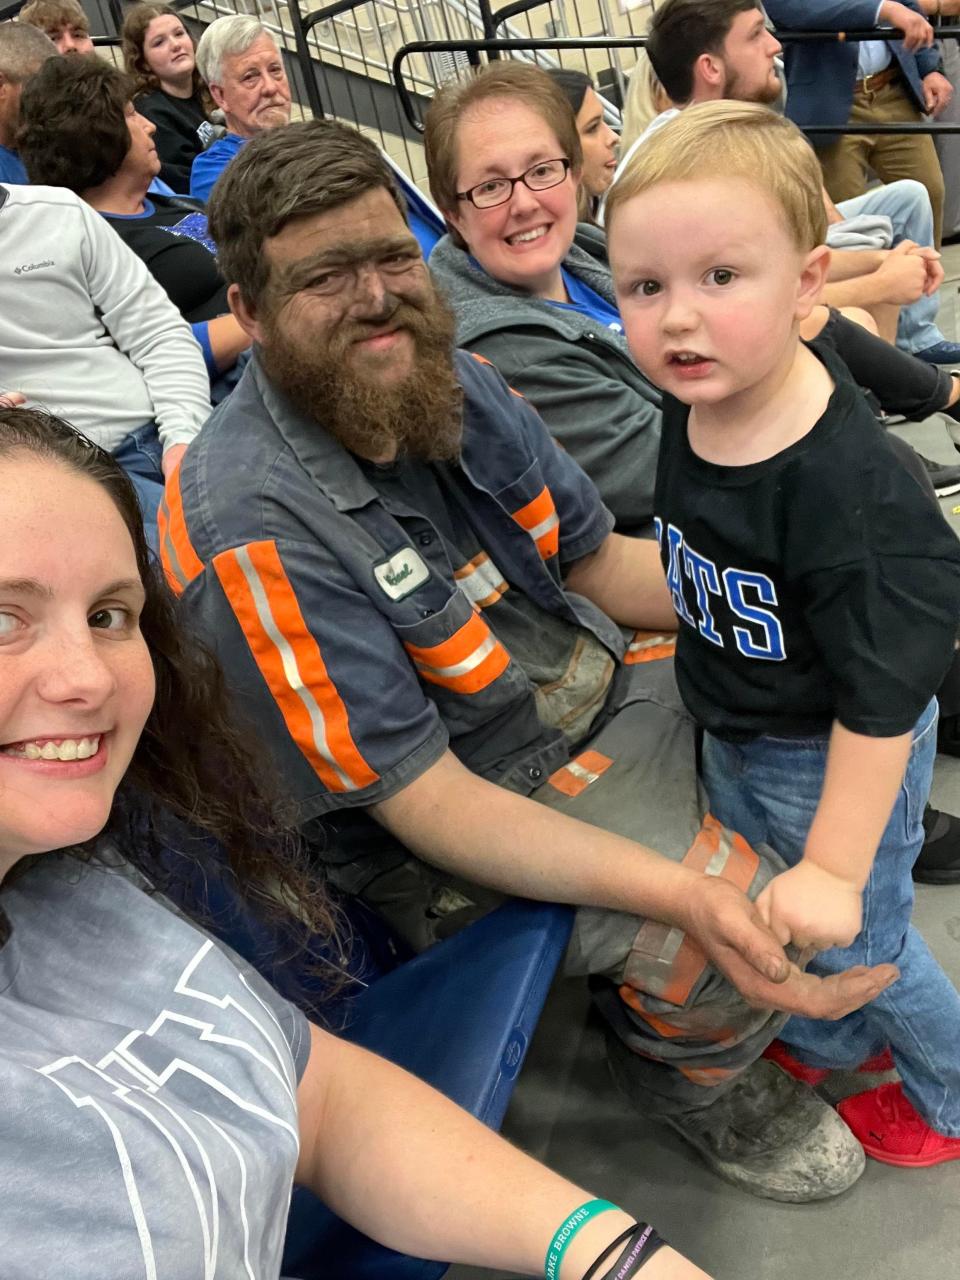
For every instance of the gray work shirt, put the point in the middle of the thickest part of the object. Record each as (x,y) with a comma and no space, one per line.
(359,651)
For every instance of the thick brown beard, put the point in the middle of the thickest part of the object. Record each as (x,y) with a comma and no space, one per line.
(420,416)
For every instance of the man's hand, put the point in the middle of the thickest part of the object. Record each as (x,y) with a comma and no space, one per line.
(937,92)
(12,399)
(171,459)
(917,31)
(731,932)
(902,274)
(811,907)
(932,265)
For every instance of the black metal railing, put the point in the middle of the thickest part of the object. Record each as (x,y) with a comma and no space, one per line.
(493,47)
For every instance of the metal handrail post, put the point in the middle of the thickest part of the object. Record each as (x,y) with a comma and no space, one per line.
(310,86)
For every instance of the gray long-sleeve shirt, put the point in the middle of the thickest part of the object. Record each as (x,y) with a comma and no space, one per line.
(85,330)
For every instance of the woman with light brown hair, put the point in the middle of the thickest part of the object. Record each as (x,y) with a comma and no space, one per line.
(158,53)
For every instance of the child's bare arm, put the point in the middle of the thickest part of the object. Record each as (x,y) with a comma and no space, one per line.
(818,902)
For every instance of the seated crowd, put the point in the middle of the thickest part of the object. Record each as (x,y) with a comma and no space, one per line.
(576,564)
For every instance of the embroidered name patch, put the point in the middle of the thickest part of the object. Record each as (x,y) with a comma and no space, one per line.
(401,574)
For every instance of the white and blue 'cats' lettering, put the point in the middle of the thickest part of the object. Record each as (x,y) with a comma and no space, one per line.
(744,591)
(703,573)
(737,581)
(674,580)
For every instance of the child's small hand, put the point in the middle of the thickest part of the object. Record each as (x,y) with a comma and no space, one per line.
(811,907)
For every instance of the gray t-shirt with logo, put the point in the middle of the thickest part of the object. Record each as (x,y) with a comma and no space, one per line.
(148,1123)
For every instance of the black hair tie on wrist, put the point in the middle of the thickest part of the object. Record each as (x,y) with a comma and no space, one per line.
(642,1242)
(614,1244)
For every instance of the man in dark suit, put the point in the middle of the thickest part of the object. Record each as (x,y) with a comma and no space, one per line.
(866,82)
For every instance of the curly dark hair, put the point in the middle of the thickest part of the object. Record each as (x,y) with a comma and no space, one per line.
(134,33)
(193,778)
(73,125)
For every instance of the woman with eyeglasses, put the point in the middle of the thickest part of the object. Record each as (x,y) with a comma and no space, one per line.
(530,287)
(532,292)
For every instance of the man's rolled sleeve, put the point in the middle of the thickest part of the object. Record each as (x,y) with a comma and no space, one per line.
(319,673)
(584,520)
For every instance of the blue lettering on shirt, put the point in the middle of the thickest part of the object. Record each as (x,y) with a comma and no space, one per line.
(738,581)
(703,573)
(743,590)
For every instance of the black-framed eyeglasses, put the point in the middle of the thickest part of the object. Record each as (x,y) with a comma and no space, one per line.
(539,177)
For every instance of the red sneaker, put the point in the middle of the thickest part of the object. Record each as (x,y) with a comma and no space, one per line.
(879,1063)
(889,1128)
(778,1052)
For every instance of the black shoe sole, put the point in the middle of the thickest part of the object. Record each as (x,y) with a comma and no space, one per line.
(937,877)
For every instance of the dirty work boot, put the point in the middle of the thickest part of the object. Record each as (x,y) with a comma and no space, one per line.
(768,1133)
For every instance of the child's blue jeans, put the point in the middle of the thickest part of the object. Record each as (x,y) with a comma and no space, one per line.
(768,789)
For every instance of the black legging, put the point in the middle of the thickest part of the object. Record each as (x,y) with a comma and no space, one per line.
(901,383)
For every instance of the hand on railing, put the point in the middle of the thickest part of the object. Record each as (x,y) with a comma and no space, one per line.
(917,31)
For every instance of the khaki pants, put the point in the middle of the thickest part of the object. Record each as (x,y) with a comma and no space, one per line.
(891,156)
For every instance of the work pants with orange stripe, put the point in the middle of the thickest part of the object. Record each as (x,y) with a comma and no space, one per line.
(691,1030)
(636,776)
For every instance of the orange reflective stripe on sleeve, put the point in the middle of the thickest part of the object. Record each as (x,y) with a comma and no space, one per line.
(470,660)
(541,521)
(481,581)
(181,564)
(283,647)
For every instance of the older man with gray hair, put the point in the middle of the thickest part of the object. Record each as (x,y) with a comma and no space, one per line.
(23,50)
(243,69)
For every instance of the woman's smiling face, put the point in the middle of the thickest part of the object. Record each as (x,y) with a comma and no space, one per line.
(76,679)
(523,241)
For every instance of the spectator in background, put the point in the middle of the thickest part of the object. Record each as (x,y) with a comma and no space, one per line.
(945,14)
(646,99)
(243,69)
(64,21)
(870,82)
(79,129)
(86,330)
(23,50)
(709,49)
(598,141)
(158,53)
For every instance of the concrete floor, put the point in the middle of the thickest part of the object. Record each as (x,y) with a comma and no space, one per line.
(893,1224)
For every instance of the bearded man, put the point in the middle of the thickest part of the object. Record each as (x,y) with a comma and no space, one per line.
(418,598)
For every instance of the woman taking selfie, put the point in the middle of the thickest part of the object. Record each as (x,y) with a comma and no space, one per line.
(159,1098)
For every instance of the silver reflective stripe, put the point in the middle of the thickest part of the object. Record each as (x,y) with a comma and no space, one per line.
(170,552)
(290,668)
(544,526)
(461,668)
(717,864)
(578,771)
(637,645)
(482,581)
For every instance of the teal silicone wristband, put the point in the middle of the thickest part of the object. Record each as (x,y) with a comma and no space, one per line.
(567,1230)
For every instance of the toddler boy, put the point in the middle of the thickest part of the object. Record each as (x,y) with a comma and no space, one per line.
(816,584)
